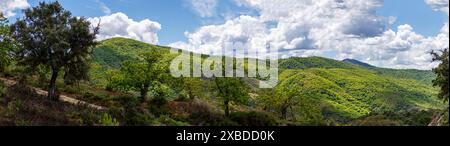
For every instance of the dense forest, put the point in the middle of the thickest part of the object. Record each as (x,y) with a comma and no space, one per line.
(69,78)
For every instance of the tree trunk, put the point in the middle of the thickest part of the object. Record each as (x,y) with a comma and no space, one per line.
(285,107)
(52,86)
(144,92)
(284,110)
(227,108)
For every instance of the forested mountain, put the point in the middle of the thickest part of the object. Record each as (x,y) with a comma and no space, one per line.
(326,89)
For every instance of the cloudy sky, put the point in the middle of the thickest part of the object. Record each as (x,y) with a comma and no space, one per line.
(390,33)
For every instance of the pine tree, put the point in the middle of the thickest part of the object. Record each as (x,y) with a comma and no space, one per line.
(442,72)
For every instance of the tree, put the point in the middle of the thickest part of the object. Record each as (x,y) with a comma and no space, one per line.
(192,86)
(50,36)
(6,44)
(283,98)
(231,90)
(142,75)
(442,72)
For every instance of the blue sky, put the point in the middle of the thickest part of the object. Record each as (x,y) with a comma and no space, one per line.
(389,33)
(416,13)
(177,16)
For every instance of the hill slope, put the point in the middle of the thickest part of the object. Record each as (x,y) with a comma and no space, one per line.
(424,76)
(336,90)
(111,53)
(345,94)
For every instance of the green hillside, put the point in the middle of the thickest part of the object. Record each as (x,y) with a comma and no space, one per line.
(330,90)
(345,94)
(312,62)
(424,76)
(112,52)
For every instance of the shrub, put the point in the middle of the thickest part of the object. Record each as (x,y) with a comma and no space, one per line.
(95,96)
(2,91)
(108,120)
(131,113)
(203,115)
(165,120)
(158,106)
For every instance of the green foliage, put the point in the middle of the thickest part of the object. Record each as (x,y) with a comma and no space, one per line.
(312,62)
(323,91)
(108,120)
(345,94)
(423,76)
(50,36)
(150,73)
(6,44)
(231,90)
(111,53)
(2,91)
(442,72)
(166,120)
(193,87)
(297,98)
(158,106)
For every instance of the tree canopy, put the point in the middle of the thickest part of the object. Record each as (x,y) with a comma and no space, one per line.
(442,72)
(6,44)
(50,36)
(231,90)
(142,75)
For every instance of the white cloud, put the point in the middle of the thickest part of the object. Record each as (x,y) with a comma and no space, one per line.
(347,29)
(439,5)
(204,8)
(119,25)
(105,9)
(7,7)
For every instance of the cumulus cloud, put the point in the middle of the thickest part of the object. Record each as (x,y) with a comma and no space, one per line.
(439,5)
(342,28)
(119,25)
(204,8)
(7,7)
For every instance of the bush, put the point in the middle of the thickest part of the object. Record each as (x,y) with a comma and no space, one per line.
(95,96)
(108,120)
(131,113)
(202,114)
(2,91)
(158,106)
(253,119)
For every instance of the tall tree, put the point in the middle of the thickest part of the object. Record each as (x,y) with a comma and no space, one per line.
(50,36)
(5,43)
(142,75)
(442,72)
(231,90)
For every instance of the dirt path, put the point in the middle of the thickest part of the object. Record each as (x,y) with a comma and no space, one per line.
(63,98)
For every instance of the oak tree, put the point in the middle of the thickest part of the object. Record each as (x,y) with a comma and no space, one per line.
(50,36)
